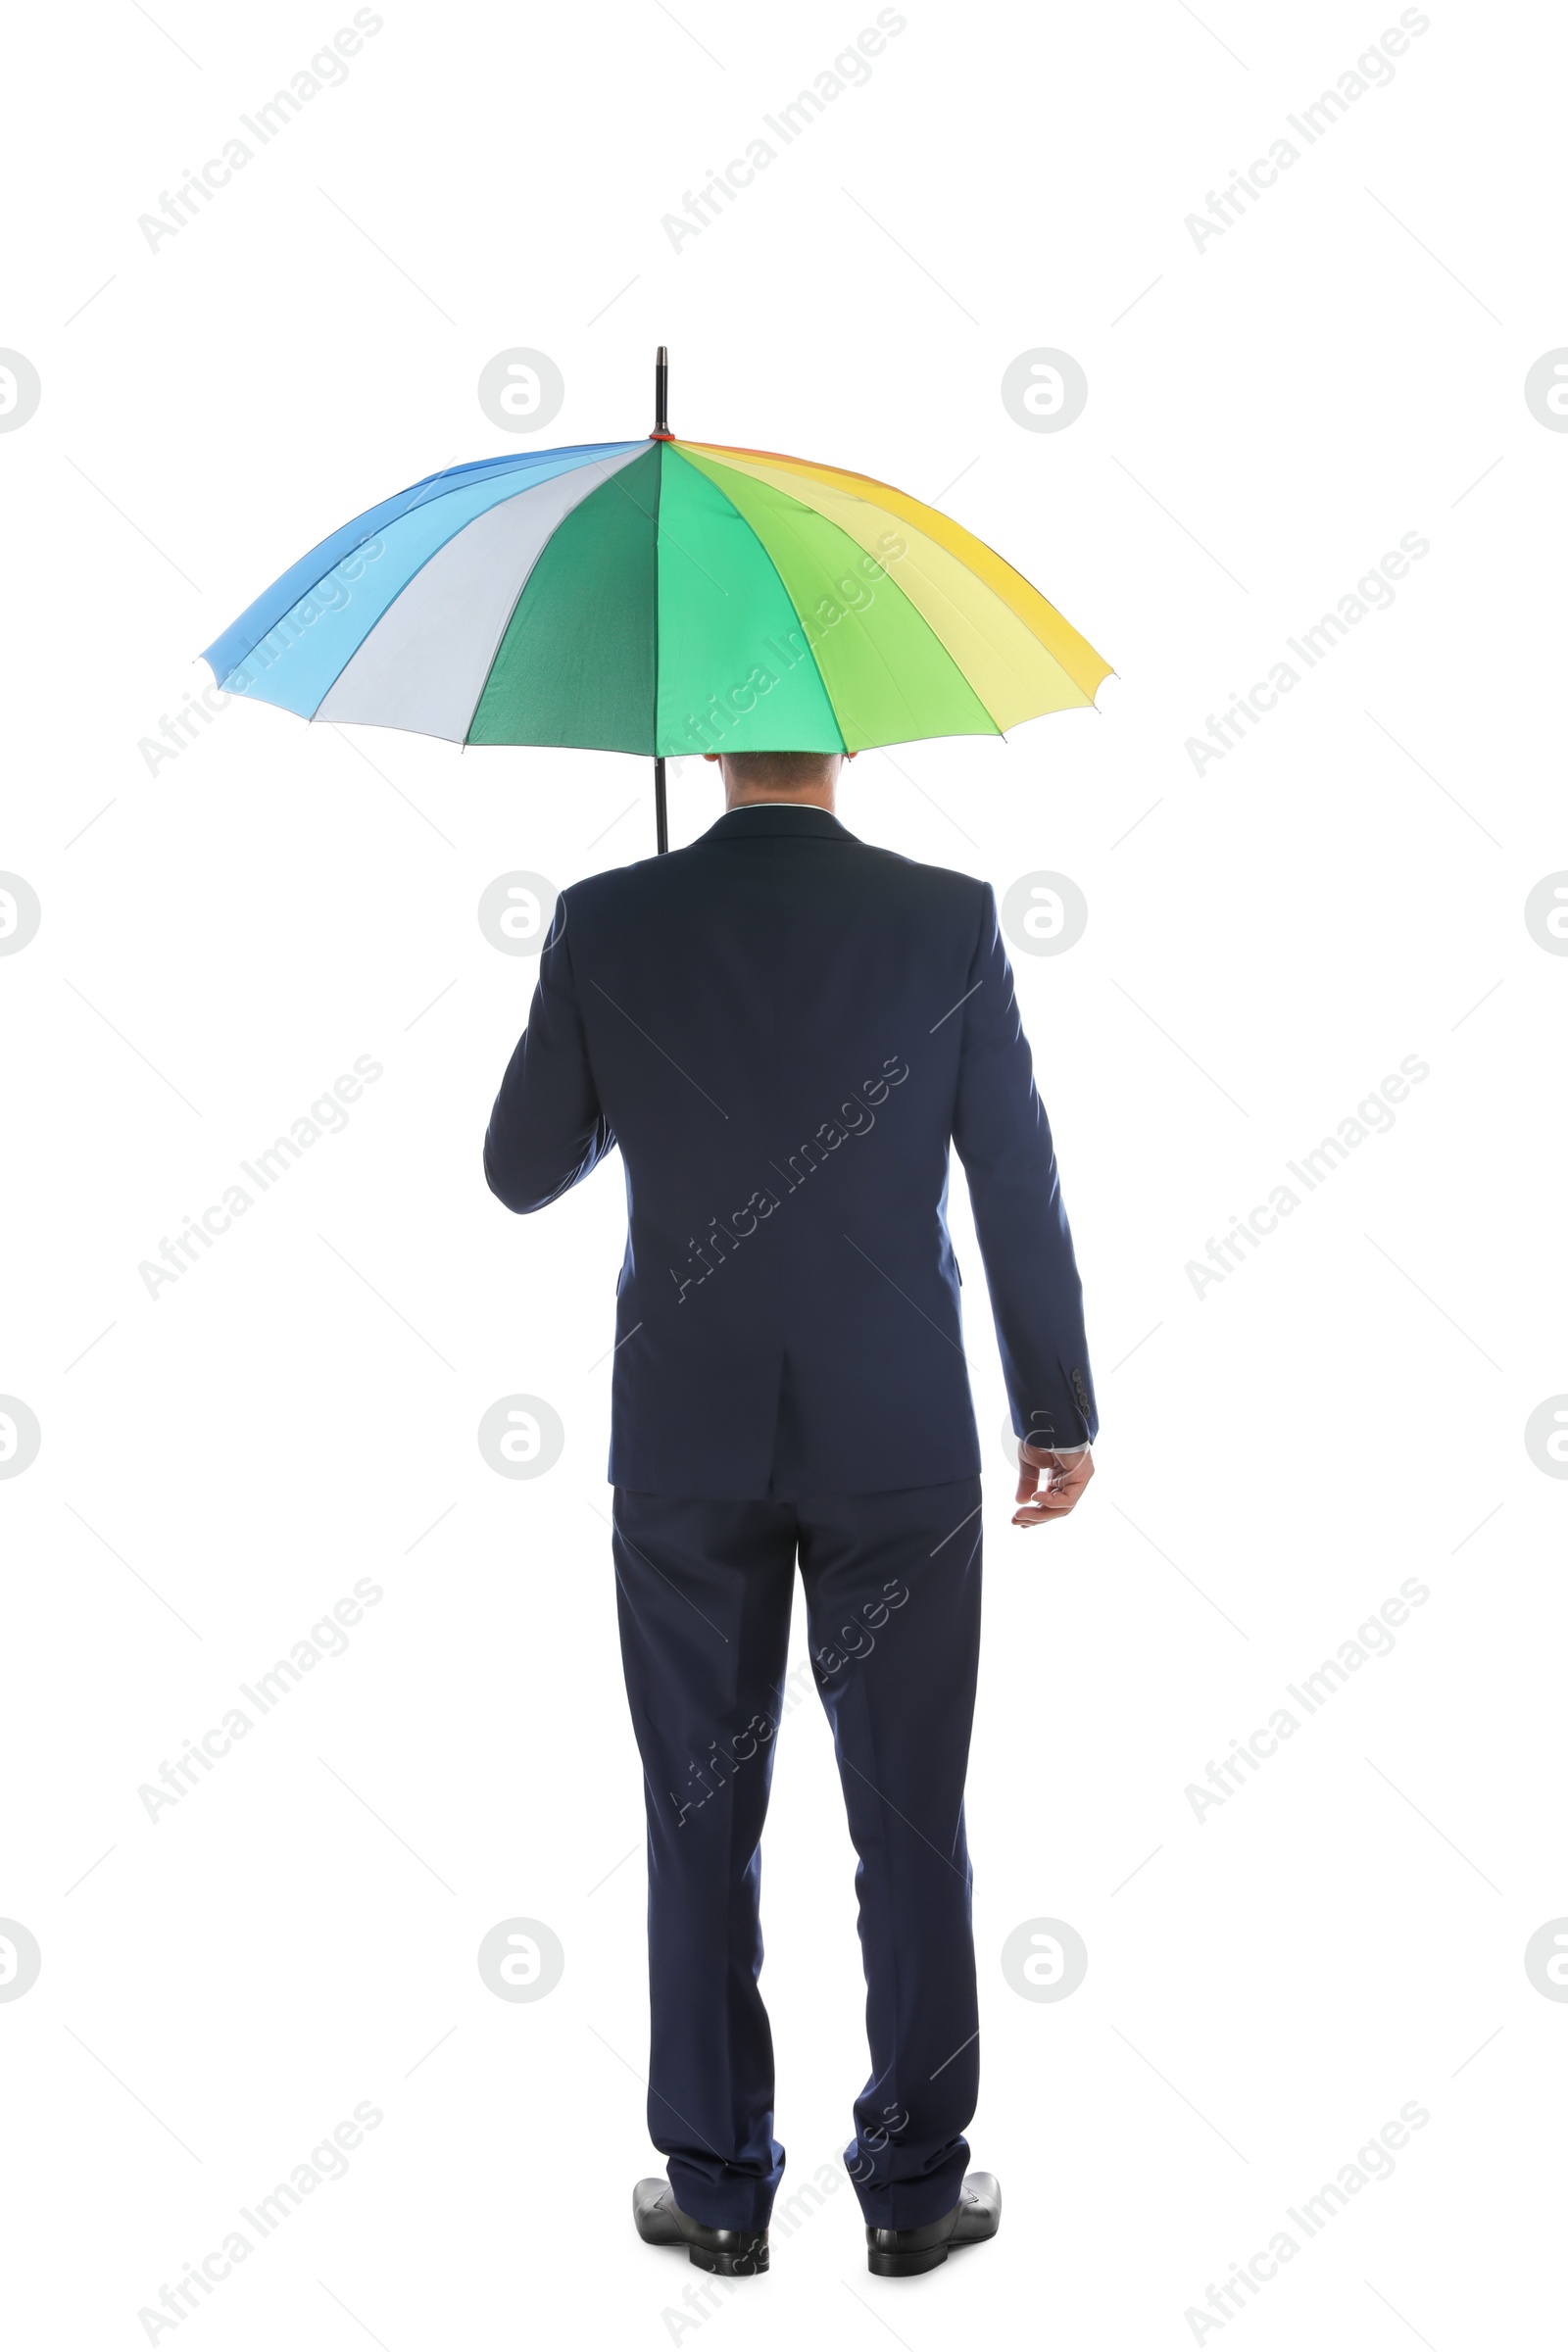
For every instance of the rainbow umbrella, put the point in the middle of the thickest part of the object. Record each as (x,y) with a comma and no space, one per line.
(659,597)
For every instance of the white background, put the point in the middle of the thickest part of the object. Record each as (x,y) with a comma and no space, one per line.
(220,939)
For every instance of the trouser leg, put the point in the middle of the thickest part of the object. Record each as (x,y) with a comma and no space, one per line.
(704,1592)
(893,1600)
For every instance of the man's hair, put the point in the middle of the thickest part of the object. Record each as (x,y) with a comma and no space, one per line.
(789,769)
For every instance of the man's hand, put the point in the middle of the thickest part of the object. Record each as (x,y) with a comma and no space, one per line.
(1066,1476)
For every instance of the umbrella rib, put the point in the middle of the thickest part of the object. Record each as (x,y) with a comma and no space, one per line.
(935,589)
(506,628)
(877,651)
(652,515)
(622,466)
(443,484)
(813,467)
(783,589)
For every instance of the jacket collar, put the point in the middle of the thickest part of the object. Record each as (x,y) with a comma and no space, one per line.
(769,817)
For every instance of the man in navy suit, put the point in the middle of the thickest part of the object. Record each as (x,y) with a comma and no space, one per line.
(786,1032)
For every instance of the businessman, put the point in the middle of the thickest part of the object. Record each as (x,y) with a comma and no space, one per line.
(786,1032)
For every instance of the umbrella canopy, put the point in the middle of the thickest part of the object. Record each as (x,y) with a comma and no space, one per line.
(658,596)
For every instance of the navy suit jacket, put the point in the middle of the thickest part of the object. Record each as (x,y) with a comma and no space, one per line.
(784,1030)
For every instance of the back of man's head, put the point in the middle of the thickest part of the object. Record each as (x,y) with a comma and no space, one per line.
(779,775)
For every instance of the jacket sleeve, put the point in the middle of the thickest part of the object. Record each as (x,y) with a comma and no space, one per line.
(1003,1139)
(547,1129)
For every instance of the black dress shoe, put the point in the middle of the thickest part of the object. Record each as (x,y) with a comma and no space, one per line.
(731,2253)
(904,2253)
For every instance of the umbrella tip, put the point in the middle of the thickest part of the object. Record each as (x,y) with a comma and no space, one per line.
(660,431)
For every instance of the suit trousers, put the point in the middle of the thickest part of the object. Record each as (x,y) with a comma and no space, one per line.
(893,1616)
